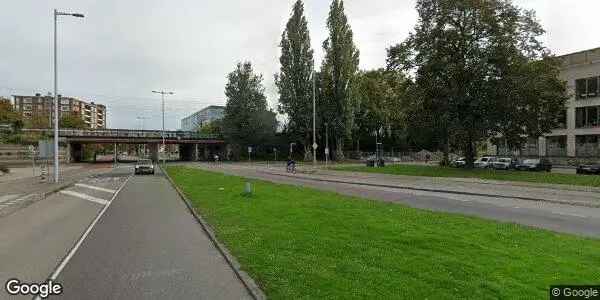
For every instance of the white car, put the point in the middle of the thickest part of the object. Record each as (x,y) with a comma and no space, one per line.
(503,163)
(144,166)
(485,162)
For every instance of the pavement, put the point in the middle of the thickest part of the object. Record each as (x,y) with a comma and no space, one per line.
(144,244)
(20,188)
(557,208)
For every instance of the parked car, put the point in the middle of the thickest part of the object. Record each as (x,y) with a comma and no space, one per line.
(459,162)
(534,164)
(504,163)
(589,169)
(144,166)
(484,162)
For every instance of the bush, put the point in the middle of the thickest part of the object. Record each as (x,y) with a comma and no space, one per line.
(4,169)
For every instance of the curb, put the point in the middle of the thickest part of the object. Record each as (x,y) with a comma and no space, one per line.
(591,205)
(246,280)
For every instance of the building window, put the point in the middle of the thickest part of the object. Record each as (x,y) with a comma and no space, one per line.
(64,108)
(556,146)
(26,100)
(587,117)
(587,88)
(562,120)
(27,107)
(587,145)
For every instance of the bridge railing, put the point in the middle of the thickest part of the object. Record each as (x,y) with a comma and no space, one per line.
(126,133)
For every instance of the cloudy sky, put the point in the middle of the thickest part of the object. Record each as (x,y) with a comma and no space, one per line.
(123,50)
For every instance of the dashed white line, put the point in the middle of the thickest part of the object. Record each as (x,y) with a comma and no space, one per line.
(569,215)
(85,197)
(66,260)
(97,188)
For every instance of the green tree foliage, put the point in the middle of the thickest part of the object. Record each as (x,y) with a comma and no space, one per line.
(381,95)
(480,71)
(338,74)
(294,80)
(215,127)
(247,121)
(8,115)
(72,121)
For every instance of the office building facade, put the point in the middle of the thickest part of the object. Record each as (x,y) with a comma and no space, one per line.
(202,117)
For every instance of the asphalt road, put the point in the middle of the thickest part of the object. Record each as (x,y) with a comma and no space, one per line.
(559,217)
(148,246)
(35,238)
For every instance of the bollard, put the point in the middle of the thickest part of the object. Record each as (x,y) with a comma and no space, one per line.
(248,189)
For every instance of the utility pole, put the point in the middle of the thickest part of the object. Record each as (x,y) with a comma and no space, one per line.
(162,94)
(56,166)
(326,144)
(314,121)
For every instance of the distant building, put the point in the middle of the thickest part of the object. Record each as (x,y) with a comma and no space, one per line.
(94,115)
(202,117)
(578,135)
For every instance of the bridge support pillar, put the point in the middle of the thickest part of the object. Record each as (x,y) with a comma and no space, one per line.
(187,152)
(153,149)
(74,152)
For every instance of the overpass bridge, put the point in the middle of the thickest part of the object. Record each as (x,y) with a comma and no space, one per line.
(193,146)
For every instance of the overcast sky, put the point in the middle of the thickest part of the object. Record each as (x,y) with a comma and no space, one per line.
(123,50)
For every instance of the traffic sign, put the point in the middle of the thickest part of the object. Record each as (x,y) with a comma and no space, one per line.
(315,146)
(326,151)
(249,149)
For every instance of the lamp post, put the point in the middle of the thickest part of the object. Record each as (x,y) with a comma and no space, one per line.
(162,94)
(314,121)
(56,166)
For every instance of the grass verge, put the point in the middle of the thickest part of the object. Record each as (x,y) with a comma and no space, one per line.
(303,243)
(433,171)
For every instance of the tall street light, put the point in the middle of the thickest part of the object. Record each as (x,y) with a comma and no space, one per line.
(162,94)
(56,14)
(314,121)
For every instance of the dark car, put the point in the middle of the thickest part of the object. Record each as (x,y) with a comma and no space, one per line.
(589,169)
(534,164)
(144,166)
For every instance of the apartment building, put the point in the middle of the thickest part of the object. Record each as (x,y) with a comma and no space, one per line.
(578,136)
(202,117)
(94,115)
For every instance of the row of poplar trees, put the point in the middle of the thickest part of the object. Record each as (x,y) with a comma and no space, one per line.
(469,72)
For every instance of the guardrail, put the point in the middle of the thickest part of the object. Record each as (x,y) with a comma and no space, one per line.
(126,133)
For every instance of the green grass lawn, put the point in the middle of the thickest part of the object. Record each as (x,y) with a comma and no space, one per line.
(303,243)
(433,171)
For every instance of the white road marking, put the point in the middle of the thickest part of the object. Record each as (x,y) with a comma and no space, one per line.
(85,234)
(569,214)
(85,197)
(91,187)
(8,197)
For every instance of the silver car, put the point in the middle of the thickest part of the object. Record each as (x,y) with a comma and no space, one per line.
(144,166)
(503,163)
(485,162)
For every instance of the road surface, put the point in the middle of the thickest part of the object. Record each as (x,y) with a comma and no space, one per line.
(520,203)
(145,244)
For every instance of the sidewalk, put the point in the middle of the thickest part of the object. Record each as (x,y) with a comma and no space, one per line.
(21,190)
(563,194)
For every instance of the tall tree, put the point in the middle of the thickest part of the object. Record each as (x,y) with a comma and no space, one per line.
(247,120)
(470,58)
(338,73)
(73,121)
(381,94)
(294,80)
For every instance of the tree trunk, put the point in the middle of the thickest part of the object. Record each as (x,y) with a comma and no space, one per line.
(470,153)
(339,149)
(307,153)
